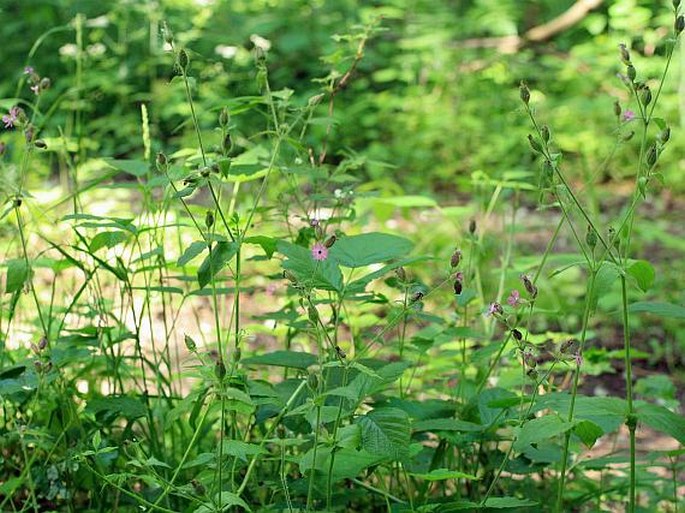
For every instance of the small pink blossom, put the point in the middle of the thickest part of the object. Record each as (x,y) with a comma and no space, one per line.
(514,298)
(28,70)
(319,252)
(628,115)
(578,358)
(12,117)
(494,309)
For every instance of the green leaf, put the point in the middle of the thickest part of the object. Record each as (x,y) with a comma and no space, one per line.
(323,275)
(662,419)
(442,474)
(508,502)
(369,248)
(539,429)
(222,502)
(644,274)
(588,432)
(660,309)
(268,244)
(191,252)
(291,359)
(17,274)
(448,424)
(218,257)
(121,406)
(386,432)
(133,167)
(107,239)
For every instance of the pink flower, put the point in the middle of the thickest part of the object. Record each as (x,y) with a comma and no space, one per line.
(514,298)
(319,252)
(628,115)
(11,118)
(578,358)
(495,308)
(28,70)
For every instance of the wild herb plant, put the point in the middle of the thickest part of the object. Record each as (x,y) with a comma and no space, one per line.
(331,366)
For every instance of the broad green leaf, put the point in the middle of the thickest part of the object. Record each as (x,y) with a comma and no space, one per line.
(386,432)
(662,419)
(268,244)
(223,502)
(132,167)
(218,257)
(369,248)
(122,406)
(539,429)
(323,275)
(644,274)
(607,412)
(107,239)
(588,432)
(241,449)
(450,424)
(659,309)
(191,252)
(292,359)
(17,274)
(442,474)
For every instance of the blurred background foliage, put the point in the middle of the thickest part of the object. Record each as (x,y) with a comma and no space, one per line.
(434,100)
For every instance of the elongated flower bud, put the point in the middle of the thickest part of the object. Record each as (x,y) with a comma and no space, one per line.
(220,369)
(631,72)
(679,24)
(625,54)
(190,343)
(517,334)
(545,133)
(652,156)
(472,226)
(534,144)
(224,117)
(209,219)
(330,241)
(665,135)
(532,289)
(524,92)
(183,59)
(591,237)
(617,108)
(646,96)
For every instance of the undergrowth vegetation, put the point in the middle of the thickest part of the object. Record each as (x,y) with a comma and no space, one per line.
(237,319)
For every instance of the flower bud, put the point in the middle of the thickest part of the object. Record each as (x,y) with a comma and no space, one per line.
(44,84)
(226,144)
(534,144)
(458,286)
(676,5)
(529,359)
(183,59)
(224,117)
(416,296)
(652,156)
(532,289)
(625,54)
(313,314)
(456,258)
(220,369)
(679,24)
(544,132)
(472,226)
(190,343)
(40,144)
(646,96)
(401,274)
(168,35)
(568,344)
(547,174)
(524,92)
(517,334)
(161,162)
(665,135)
(631,72)
(330,241)
(627,137)
(289,276)
(532,374)
(342,354)
(617,108)
(591,237)
(209,219)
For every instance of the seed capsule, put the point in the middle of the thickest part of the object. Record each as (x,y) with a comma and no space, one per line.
(330,241)
(342,354)
(617,108)
(183,59)
(416,296)
(625,54)
(544,131)
(534,144)
(472,226)
(591,237)
(652,156)
(220,369)
(456,258)
(209,219)
(517,334)
(646,96)
(458,287)
(190,343)
(224,117)
(679,24)
(665,135)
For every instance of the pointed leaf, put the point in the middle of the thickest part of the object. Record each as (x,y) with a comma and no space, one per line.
(369,248)
(218,257)
(191,252)
(386,432)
